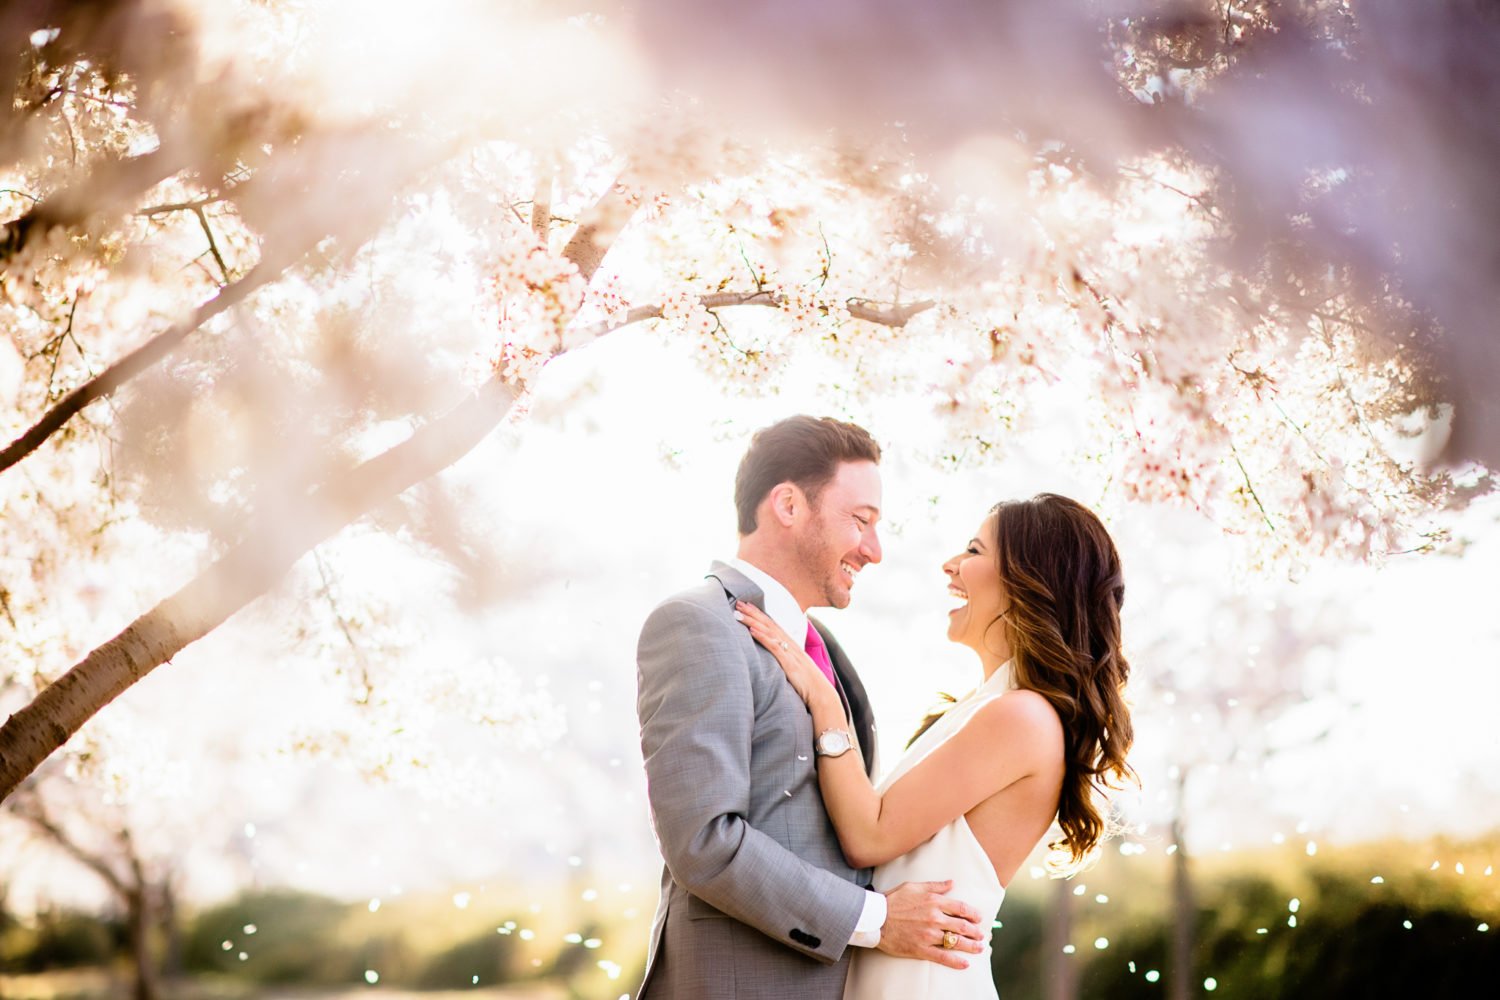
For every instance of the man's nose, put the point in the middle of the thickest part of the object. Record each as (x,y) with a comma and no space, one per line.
(871,547)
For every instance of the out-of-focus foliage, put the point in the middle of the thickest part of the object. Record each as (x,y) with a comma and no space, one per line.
(421,944)
(1272,924)
(58,939)
(290,933)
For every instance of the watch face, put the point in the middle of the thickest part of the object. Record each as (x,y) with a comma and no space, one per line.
(833,743)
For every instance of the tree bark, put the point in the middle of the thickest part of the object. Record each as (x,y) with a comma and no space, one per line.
(1184,908)
(138,920)
(541,200)
(272,545)
(597,229)
(1059,969)
(171,931)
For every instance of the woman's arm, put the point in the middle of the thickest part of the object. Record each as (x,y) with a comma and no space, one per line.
(1006,740)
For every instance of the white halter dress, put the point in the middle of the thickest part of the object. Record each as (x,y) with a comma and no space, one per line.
(952,852)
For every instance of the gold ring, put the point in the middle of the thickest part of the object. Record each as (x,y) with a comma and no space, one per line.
(950,940)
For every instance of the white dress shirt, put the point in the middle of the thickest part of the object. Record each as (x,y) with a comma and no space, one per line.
(783,609)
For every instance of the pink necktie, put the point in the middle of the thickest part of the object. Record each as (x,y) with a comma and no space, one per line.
(819,654)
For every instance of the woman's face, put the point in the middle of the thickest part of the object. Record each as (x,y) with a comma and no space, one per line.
(974,579)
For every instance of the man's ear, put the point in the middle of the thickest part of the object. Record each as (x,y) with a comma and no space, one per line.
(786,502)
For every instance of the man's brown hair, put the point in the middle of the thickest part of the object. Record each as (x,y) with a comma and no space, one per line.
(802,450)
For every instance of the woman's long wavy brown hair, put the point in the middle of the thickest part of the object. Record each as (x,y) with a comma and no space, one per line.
(1062,575)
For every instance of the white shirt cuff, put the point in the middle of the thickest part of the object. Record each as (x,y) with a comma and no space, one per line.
(871,919)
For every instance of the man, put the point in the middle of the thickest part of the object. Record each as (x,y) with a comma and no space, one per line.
(757,899)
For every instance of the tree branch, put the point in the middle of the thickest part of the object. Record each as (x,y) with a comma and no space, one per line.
(291,232)
(212,245)
(541,201)
(181,206)
(31,809)
(860,309)
(1250,487)
(343,624)
(598,227)
(893,316)
(274,541)
(117,181)
(137,361)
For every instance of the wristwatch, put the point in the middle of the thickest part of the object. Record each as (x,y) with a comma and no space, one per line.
(833,743)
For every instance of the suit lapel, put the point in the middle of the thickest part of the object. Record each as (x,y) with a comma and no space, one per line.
(854,696)
(737,586)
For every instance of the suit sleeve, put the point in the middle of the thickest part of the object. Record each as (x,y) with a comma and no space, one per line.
(697,716)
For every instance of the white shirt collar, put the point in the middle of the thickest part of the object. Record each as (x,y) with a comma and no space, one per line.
(780,604)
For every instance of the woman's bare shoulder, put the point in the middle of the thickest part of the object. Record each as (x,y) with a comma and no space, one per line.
(1021,719)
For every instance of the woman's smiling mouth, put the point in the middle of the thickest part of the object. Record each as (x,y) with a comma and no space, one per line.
(959,595)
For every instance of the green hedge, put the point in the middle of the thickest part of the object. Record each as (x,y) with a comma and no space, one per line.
(489,956)
(291,942)
(306,940)
(60,939)
(1350,940)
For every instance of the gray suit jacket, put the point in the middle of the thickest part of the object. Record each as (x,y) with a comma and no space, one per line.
(757,900)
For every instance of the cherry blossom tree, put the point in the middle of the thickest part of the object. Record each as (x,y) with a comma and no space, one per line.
(102,841)
(255,296)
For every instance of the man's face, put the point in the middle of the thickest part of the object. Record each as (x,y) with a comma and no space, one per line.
(838,538)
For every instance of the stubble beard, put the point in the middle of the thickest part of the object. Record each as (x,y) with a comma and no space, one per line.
(814,558)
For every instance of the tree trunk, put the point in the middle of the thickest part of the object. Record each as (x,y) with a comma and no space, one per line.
(138,919)
(1060,969)
(274,541)
(171,932)
(1180,981)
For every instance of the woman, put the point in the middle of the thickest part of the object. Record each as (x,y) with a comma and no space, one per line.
(1040,591)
